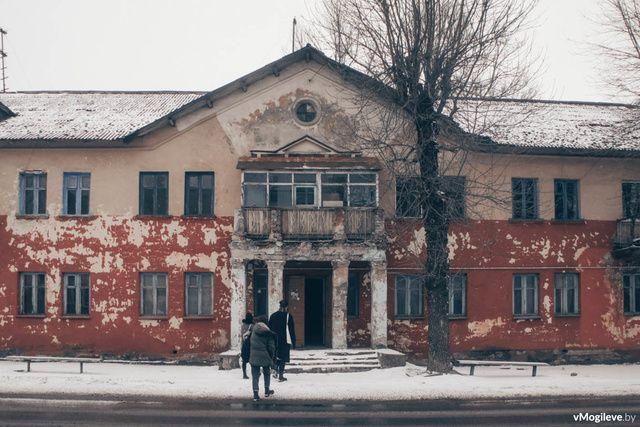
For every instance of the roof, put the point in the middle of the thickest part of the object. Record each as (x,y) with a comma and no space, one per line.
(553,126)
(85,116)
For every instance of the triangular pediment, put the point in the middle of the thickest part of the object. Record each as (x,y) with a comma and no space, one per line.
(305,146)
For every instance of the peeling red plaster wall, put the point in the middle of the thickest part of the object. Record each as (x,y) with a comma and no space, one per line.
(114,250)
(359,329)
(490,252)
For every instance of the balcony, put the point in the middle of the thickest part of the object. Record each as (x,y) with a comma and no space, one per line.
(626,243)
(324,224)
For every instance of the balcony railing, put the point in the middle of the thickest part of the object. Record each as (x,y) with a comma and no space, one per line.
(310,224)
(628,232)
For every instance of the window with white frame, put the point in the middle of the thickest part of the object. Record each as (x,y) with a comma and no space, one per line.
(199,294)
(567,294)
(76,294)
(309,189)
(32,294)
(631,293)
(525,295)
(153,301)
(33,193)
(76,193)
(457,284)
(408,295)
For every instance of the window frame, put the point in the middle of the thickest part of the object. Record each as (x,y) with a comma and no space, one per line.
(38,193)
(80,289)
(526,197)
(155,312)
(451,285)
(79,192)
(523,296)
(561,291)
(264,286)
(199,286)
(414,281)
(187,193)
(38,291)
(630,292)
(353,295)
(565,197)
(630,199)
(141,193)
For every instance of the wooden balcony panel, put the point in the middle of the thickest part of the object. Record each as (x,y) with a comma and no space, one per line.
(359,224)
(627,232)
(257,223)
(307,224)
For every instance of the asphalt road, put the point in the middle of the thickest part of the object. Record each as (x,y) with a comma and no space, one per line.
(96,411)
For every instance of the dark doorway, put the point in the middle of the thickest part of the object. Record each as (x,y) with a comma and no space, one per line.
(314,312)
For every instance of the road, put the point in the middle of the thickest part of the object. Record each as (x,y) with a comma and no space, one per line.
(22,411)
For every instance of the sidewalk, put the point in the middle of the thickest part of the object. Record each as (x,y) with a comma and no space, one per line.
(119,379)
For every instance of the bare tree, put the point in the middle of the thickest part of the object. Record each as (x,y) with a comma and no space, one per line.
(422,57)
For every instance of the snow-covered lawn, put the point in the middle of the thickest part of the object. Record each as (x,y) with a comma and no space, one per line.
(410,382)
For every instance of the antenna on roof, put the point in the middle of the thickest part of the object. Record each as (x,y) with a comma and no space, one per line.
(3,55)
(293,35)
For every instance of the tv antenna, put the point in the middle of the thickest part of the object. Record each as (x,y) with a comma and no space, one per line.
(3,54)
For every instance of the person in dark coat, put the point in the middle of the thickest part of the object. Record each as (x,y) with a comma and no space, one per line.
(263,353)
(281,322)
(246,325)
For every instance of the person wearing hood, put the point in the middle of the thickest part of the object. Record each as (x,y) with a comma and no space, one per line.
(262,355)
(247,322)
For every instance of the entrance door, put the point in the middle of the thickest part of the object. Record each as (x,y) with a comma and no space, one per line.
(314,312)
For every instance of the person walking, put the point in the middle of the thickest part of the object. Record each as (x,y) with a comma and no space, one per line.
(262,355)
(281,322)
(247,322)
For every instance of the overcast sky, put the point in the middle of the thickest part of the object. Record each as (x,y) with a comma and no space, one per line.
(196,45)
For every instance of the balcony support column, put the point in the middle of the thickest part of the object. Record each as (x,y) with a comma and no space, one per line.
(238,300)
(339,302)
(275,285)
(378,304)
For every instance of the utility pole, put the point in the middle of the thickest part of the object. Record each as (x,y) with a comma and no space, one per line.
(4,55)
(293,36)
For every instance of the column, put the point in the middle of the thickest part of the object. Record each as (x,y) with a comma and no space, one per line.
(238,300)
(339,312)
(275,285)
(379,304)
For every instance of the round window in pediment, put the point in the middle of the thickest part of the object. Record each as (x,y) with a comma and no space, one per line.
(306,112)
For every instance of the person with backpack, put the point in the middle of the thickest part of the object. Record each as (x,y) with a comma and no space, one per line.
(262,355)
(247,322)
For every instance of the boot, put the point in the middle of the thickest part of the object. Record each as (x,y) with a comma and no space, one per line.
(268,393)
(256,398)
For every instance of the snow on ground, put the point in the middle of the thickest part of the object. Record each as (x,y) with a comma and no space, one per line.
(410,382)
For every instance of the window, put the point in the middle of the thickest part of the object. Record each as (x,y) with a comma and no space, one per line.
(631,291)
(353,296)
(199,294)
(76,193)
(32,293)
(260,299)
(33,194)
(524,198)
(76,294)
(454,190)
(286,189)
(566,200)
(408,198)
(409,295)
(154,193)
(631,200)
(198,193)
(457,284)
(567,293)
(306,112)
(525,295)
(154,294)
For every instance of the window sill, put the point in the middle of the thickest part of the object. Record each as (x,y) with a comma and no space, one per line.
(526,220)
(153,217)
(567,315)
(527,317)
(409,318)
(199,318)
(632,314)
(76,217)
(27,216)
(457,317)
(32,316)
(196,217)
(76,317)
(163,317)
(568,221)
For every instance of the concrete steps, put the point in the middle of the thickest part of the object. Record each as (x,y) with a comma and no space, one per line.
(331,360)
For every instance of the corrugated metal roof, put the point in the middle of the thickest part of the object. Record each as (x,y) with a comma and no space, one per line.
(103,116)
(553,124)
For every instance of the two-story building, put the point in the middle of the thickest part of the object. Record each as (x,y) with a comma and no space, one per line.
(146,224)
